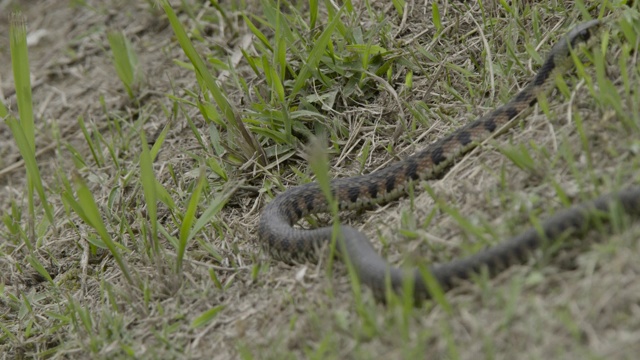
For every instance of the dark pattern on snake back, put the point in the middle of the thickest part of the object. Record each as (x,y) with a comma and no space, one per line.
(289,244)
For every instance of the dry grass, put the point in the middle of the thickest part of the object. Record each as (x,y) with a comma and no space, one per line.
(229,300)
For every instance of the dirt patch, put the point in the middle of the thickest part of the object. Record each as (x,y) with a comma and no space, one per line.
(573,301)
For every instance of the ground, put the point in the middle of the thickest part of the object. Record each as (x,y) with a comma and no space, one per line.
(394,78)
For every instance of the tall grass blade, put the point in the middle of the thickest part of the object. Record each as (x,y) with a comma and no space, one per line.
(250,145)
(85,206)
(23,130)
(148,180)
(125,61)
(188,219)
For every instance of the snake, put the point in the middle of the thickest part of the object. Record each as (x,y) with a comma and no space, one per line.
(279,236)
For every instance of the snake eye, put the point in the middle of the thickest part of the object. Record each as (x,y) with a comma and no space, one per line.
(581,37)
(584,34)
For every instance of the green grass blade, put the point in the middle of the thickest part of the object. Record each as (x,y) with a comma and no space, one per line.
(251,145)
(33,172)
(435,15)
(189,218)
(125,61)
(148,180)
(313,13)
(320,166)
(39,268)
(92,216)
(316,54)
(21,74)
(216,205)
(4,113)
(23,130)
(206,317)
(399,5)
(257,32)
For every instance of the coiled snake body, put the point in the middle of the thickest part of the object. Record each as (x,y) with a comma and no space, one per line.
(289,244)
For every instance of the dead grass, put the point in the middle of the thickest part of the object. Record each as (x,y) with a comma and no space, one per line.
(232,301)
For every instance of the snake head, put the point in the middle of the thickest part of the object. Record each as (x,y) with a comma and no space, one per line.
(582,34)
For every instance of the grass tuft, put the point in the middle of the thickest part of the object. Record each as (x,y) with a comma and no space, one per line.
(115,191)
(125,61)
(23,130)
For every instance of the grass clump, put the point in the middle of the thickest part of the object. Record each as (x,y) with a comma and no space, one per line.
(129,211)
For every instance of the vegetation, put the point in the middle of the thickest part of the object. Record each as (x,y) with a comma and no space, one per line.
(133,175)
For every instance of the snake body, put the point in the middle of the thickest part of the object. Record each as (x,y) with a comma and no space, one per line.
(283,241)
